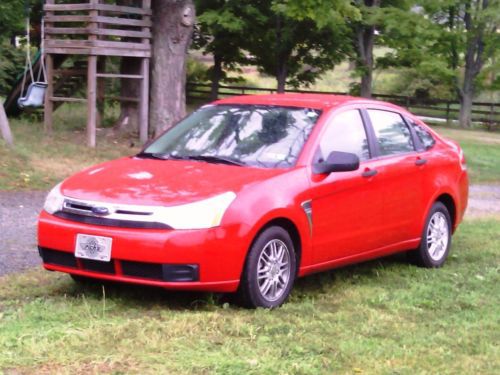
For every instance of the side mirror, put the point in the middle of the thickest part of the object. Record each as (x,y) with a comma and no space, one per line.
(337,161)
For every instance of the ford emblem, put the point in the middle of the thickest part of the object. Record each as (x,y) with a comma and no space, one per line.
(100,210)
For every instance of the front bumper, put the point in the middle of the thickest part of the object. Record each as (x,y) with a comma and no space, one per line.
(209,259)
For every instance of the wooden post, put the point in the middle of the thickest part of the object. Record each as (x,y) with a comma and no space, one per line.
(49,93)
(91,101)
(101,90)
(4,126)
(144,100)
(92,85)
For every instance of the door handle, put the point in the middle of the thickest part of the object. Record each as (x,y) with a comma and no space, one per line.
(369,173)
(420,161)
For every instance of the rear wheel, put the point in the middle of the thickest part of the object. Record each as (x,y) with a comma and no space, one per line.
(269,271)
(436,238)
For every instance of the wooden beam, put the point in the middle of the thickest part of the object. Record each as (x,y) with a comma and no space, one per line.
(97,51)
(99,19)
(102,7)
(144,93)
(97,31)
(92,87)
(123,99)
(67,99)
(72,43)
(113,75)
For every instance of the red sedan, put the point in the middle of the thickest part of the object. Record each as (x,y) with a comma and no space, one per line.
(248,193)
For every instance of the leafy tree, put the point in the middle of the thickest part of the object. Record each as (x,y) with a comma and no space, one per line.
(453,43)
(220,32)
(295,51)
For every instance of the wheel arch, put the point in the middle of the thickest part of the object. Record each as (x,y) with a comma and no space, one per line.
(291,228)
(450,205)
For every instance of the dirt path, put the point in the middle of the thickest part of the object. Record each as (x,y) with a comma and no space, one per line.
(19,211)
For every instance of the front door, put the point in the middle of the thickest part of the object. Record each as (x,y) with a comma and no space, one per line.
(346,206)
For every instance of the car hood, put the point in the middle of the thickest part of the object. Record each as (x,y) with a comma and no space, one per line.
(140,181)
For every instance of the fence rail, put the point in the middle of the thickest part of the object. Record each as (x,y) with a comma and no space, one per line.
(448,110)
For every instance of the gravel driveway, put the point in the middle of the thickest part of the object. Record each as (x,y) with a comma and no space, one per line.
(19,211)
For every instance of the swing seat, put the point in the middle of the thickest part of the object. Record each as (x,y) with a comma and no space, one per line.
(34,96)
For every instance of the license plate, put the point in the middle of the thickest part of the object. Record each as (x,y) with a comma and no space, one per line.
(93,247)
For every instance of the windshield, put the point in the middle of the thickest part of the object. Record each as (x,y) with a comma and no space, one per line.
(256,135)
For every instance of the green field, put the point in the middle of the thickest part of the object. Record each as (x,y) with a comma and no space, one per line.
(381,317)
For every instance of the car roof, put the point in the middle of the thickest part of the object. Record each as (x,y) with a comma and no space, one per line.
(316,101)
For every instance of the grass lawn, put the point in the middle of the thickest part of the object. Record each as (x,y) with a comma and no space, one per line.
(383,317)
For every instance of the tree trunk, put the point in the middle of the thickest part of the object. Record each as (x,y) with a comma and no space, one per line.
(216,77)
(172,28)
(281,76)
(129,88)
(281,57)
(365,38)
(4,126)
(474,61)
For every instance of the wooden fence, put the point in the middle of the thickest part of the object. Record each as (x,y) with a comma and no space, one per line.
(447,110)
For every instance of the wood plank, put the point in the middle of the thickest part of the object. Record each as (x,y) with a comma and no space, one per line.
(50,18)
(122,33)
(67,99)
(112,75)
(97,31)
(100,19)
(124,21)
(97,52)
(69,72)
(70,43)
(101,7)
(123,99)
(67,30)
(67,51)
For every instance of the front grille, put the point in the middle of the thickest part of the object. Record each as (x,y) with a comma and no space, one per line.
(143,270)
(58,258)
(97,266)
(102,221)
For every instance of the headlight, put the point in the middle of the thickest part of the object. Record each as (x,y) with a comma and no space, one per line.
(54,200)
(203,214)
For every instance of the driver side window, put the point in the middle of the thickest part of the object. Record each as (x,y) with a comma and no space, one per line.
(345,133)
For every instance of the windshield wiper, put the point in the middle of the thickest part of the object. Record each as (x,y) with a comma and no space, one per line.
(216,159)
(206,158)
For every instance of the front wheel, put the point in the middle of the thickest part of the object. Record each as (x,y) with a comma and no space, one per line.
(436,238)
(270,270)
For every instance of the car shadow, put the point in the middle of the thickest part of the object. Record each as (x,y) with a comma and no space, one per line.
(147,297)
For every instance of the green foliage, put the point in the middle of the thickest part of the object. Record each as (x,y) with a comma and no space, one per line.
(11,65)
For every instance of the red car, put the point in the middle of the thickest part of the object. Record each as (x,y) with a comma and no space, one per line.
(248,193)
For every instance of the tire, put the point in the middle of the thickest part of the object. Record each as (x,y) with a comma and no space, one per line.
(264,282)
(436,238)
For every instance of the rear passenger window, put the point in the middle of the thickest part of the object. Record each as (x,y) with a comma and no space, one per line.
(393,135)
(345,133)
(423,135)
